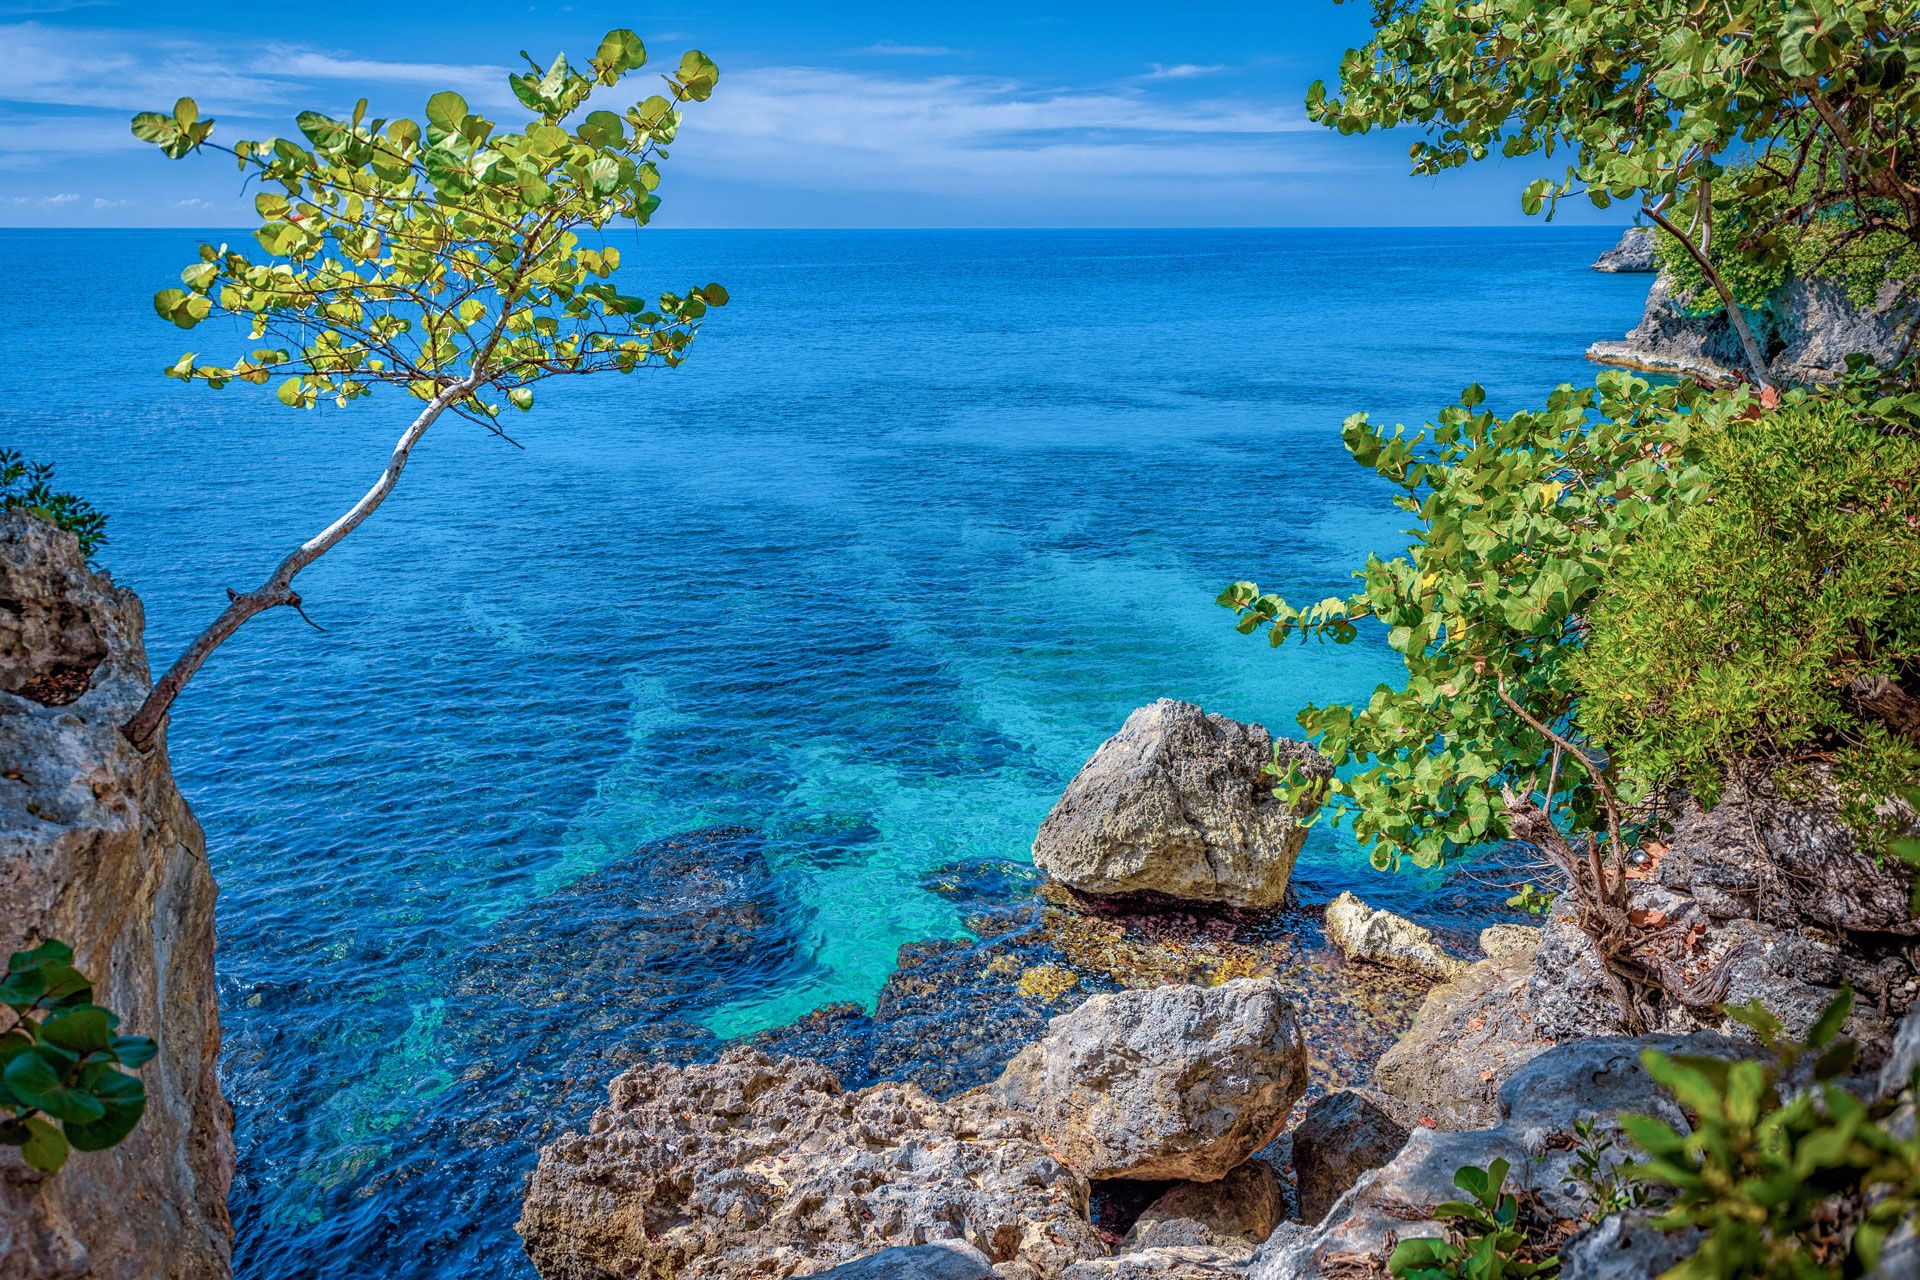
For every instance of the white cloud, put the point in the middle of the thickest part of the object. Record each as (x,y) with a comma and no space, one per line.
(888,48)
(64,197)
(101,202)
(823,129)
(1181,70)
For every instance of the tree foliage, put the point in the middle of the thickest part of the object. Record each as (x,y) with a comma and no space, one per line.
(1519,521)
(445,255)
(62,1083)
(449,256)
(1768,114)
(29,486)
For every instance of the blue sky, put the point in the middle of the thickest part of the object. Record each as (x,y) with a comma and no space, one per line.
(845,115)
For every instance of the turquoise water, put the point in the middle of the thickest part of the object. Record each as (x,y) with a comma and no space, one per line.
(922,519)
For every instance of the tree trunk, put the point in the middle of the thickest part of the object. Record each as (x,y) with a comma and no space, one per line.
(278,589)
(1756,359)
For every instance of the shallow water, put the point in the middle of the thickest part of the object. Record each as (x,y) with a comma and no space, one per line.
(922,519)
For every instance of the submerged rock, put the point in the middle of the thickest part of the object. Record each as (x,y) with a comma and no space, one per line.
(1176,1082)
(1634,253)
(1177,805)
(752,1166)
(1383,938)
(99,849)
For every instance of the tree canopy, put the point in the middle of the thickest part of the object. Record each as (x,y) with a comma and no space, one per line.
(1778,112)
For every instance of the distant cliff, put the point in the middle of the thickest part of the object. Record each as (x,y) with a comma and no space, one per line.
(1808,329)
(98,848)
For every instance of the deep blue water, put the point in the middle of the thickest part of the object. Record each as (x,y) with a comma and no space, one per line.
(922,519)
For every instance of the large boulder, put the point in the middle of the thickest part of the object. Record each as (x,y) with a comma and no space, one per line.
(1342,1136)
(1468,1038)
(1634,252)
(1380,937)
(1169,1083)
(944,1260)
(749,1165)
(98,849)
(1178,805)
(1235,1213)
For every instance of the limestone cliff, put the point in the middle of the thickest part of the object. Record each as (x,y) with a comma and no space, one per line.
(98,848)
(1807,332)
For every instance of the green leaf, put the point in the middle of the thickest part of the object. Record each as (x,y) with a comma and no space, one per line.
(123,1100)
(446,112)
(292,393)
(34,1080)
(133,1051)
(43,1148)
(82,1029)
(620,51)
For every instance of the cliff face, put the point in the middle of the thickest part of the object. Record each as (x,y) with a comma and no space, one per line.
(1807,333)
(98,848)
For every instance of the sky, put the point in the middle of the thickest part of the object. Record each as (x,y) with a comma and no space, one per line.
(983,114)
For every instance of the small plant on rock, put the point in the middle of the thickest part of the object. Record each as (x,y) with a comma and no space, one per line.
(28,486)
(1493,1238)
(62,1086)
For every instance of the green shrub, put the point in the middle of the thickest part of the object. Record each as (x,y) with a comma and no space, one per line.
(1783,1183)
(1738,627)
(30,485)
(61,1084)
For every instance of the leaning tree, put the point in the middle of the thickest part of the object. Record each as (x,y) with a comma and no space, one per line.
(448,258)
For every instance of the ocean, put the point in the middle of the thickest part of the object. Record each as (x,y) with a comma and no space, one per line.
(922,518)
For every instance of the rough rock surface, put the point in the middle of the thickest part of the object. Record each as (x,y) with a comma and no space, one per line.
(943,1260)
(1176,805)
(752,1166)
(1766,898)
(1469,1036)
(1237,1212)
(1536,1113)
(1180,1262)
(1381,937)
(1634,252)
(1342,1136)
(1625,1247)
(98,848)
(1498,940)
(1178,1082)
(1807,334)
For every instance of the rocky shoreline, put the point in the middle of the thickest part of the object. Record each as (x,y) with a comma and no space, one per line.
(1200,1090)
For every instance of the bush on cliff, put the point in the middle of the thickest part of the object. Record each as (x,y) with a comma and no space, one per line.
(1775,621)
(29,486)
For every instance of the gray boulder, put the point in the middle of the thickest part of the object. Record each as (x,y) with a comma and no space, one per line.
(1176,805)
(1380,937)
(944,1260)
(1467,1039)
(1177,1082)
(1625,1247)
(1235,1213)
(750,1166)
(1179,1262)
(1342,1136)
(1634,252)
(1533,1132)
